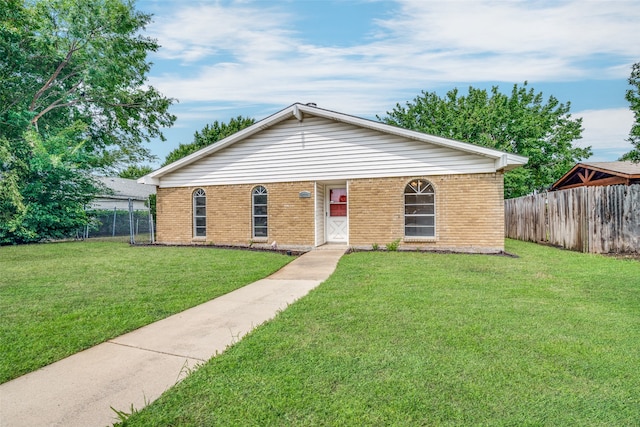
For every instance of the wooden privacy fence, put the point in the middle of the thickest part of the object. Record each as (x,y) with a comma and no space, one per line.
(586,219)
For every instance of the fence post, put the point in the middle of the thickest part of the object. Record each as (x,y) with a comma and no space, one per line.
(132,238)
(113,229)
(151,230)
(586,226)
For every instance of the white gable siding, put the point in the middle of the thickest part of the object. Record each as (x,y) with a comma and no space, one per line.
(322,149)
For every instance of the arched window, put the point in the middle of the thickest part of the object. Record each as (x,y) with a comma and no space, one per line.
(259,209)
(199,213)
(419,209)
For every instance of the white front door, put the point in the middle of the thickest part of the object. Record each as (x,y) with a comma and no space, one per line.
(337,218)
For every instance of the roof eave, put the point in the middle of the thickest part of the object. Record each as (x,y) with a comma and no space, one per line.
(120,197)
(507,162)
(595,167)
(610,171)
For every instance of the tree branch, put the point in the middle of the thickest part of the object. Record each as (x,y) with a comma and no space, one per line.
(57,103)
(60,82)
(53,106)
(74,48)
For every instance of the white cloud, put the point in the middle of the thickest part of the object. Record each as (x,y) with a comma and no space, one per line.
(606,131)
(249,52)
(562,28)
(198,32)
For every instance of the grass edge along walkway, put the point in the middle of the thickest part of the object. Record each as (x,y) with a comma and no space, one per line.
(549,338)
(60,298)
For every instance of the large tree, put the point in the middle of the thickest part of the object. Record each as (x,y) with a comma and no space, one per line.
(135,171)
(522,123)
(633,96)
(73,100)
(208,136)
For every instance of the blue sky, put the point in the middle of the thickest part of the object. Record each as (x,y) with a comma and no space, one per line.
(222,59)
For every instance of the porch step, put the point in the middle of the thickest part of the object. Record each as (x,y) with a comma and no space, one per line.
(332,247)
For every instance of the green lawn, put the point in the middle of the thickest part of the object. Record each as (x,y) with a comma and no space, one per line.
(57,299)
(549,338)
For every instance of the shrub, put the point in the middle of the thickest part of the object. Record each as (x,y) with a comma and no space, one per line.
(393,246)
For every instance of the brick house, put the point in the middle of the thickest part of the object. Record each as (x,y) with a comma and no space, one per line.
(307,176)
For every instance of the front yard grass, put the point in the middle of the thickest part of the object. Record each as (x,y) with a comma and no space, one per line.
(549,338)
(57,299)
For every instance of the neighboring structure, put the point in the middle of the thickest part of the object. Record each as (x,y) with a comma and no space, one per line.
(123,190)
(589,174)
(307,176)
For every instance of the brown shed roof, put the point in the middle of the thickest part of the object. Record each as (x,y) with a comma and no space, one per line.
(587,174)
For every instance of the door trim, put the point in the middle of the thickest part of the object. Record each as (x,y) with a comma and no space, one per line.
(327,197)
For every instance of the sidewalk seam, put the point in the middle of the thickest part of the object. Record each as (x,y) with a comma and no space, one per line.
(156,351)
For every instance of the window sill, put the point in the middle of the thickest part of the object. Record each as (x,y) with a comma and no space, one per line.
(420,239)
(199,239)
(260,239)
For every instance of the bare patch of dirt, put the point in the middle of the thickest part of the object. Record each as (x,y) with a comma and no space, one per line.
(631,256)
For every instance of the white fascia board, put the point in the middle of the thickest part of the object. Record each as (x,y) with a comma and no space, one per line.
(147,179)
(509,161)
(297,113)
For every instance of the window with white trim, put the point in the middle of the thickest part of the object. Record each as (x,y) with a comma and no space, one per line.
(419,209)
(259,211)
(199,213)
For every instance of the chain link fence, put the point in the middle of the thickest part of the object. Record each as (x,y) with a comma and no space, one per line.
(121,220)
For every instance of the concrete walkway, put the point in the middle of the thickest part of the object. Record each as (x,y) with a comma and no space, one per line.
(136,368)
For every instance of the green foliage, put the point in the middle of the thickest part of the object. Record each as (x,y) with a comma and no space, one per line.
(73,99)
(208,136)
(57,299)
(521,123)
(11,203)
(393,246)
(122,415)
(135,171)
(633,96)
(375,246)
(71,60)
(44,195)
